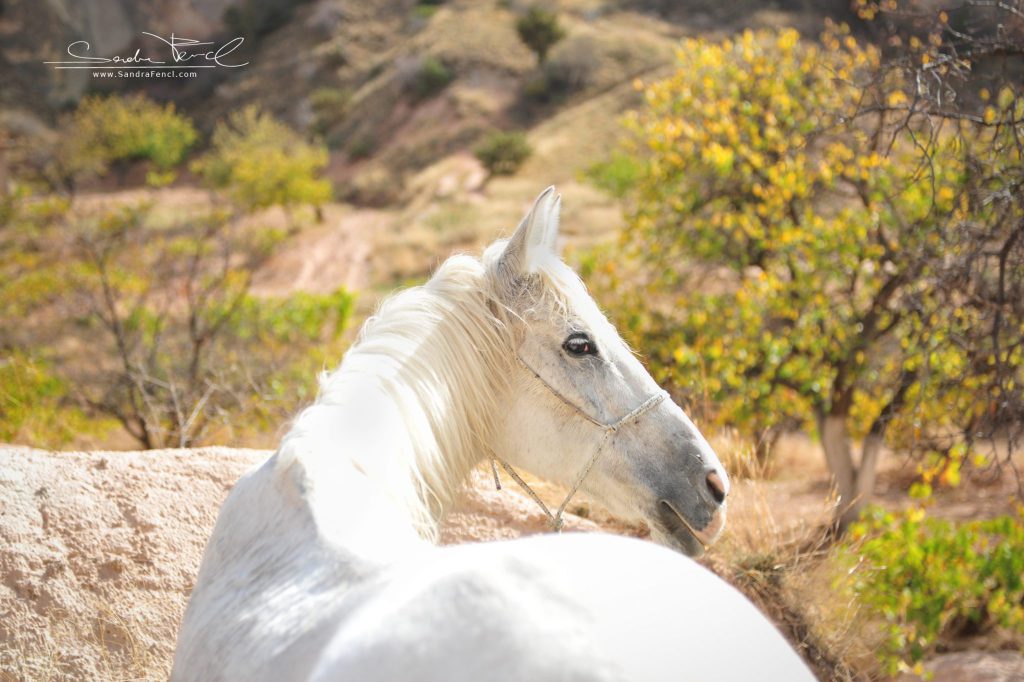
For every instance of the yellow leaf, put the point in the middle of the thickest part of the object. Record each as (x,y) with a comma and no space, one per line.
(896,98)
(1006,97)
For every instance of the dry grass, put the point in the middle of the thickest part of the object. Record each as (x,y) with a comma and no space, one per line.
(739,456)
(778,551)
(106,641)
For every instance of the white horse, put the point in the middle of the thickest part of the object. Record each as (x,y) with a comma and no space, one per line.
(322,564)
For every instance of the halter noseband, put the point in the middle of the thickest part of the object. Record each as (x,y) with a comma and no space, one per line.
(609,430)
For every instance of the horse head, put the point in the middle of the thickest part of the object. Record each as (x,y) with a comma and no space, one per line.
(582,410)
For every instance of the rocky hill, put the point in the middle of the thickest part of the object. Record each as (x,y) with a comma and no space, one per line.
(388,84)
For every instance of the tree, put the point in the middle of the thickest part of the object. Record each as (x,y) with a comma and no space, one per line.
(539,30)
(34,401)
(186,343)
(147,319)
(261,162)
(820,249)
(963,61)
(107,133)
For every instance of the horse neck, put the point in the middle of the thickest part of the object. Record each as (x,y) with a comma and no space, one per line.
(397,428)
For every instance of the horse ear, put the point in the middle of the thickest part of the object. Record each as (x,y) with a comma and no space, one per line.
(534,240)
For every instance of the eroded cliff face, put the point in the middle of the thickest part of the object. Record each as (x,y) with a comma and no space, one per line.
(35,31)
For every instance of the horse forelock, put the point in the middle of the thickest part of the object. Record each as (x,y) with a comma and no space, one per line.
(550,290)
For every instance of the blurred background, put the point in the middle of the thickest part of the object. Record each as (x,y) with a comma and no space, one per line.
(807,217)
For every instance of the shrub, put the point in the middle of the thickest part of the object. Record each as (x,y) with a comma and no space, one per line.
(115,131)
(425,10)
(539,30)
(572,66)
(34,405)
(431,77)
(617,175)
(300,317)
(502,153)
(329,105)
(261,162)
(930,579)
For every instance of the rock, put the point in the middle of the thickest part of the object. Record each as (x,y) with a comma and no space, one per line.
(99,551)
(973,666)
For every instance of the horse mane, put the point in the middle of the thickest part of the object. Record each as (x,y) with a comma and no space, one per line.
(441,353)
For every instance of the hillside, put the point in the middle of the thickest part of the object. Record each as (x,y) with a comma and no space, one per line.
(358,74)
(401,92)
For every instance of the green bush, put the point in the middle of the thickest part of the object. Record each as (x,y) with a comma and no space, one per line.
(539,29)
(329,106)
(574,65)
(431,78)
(107,132)
(424,10)
(617,175)
(931,579)
(35,407)
(262,162)
(502,153)
(301,317)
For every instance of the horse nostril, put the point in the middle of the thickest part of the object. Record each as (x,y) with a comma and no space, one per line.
(716,486)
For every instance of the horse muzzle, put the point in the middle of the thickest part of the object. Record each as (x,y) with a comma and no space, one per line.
(692,523)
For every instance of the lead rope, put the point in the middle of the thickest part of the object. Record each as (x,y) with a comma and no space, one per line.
(555,519)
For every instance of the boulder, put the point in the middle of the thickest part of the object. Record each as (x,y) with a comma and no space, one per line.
(99,551)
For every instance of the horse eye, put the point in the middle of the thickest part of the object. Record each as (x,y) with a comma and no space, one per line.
(579,344)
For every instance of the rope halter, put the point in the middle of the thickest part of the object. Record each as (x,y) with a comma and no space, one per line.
(609,430)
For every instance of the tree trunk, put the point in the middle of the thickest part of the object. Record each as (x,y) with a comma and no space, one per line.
(870,451)
(835,440)
(854,484)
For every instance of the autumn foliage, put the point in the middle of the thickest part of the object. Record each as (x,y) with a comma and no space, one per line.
(800,237)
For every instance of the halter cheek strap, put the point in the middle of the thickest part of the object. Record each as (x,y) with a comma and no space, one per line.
(609,430)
